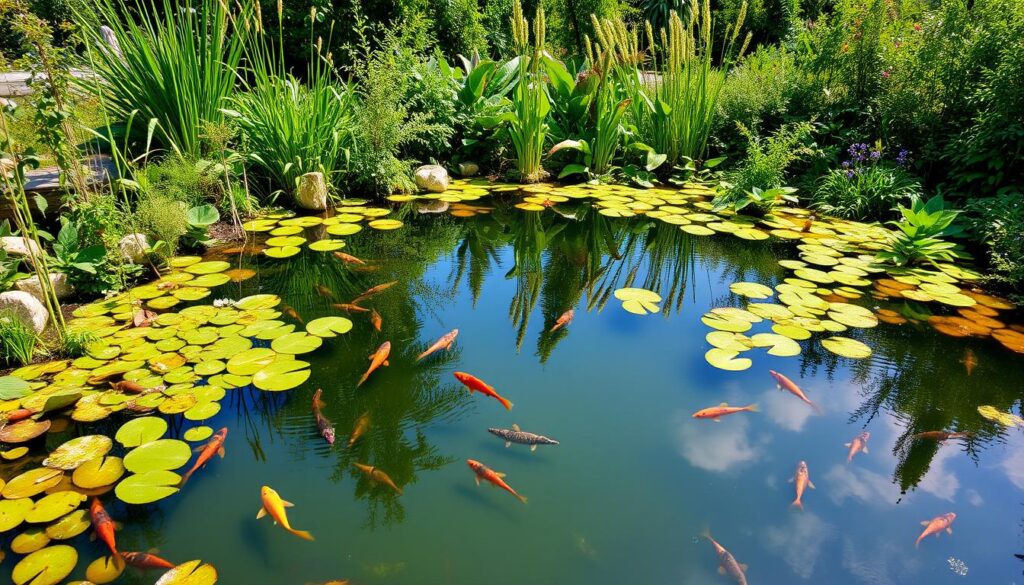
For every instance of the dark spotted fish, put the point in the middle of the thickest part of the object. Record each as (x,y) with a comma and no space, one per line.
(516,435)
(727,564)
(325,426)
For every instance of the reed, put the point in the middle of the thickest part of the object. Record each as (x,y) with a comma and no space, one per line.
(528,125)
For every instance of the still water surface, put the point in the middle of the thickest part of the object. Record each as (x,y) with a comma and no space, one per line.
(635,480)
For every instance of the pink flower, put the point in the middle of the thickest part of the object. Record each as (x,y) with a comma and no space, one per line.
(886,74)
(917,27)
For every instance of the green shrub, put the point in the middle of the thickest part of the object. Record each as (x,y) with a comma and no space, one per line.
(75,342)
(459,26)
(920,234)
(756,94)
(998,222)
(767,160)
(17,341)
(161,216)
(866,186)
(185,180)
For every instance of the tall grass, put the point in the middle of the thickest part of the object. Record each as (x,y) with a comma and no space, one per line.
(528,126)
(288,128)
(17,340)
(174,62)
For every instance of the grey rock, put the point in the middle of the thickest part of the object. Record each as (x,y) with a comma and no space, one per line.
(433,178)
(26,308)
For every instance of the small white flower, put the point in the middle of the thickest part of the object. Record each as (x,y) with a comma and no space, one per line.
(220,303)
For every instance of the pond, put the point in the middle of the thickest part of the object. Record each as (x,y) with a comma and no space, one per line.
(634,479)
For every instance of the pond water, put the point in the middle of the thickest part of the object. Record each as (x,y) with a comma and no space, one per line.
(635,480)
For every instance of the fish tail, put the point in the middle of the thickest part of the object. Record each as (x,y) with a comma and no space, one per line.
(185,477)
(521,498)
(505,402)
(363,379)
(303,534)
(752,408)
(706,534)
(815,406)
(797,504)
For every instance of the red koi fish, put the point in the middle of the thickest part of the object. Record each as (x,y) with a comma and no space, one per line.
(214,447)
(474,384)
(18,414)
(146,561)
(858,445)
(324,425)
(935,526)
(727,564)
(563,320)
(784,383)
(716,413)
(495,478)
(350,308)
(802,479)
(445,343)
(362,425)
(378,476)
(348,258)
(104,526)
(375,319)
(374,290)
(970,361)
(377,359)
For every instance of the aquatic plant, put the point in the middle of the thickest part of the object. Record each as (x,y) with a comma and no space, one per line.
(756,201)
(866,185)
(527,122)
(173,62)
(921,233)
(17,340)
(767,160)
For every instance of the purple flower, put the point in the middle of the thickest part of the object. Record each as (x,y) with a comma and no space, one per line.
(849,174)
(903,157)
(875,155)
(846,164)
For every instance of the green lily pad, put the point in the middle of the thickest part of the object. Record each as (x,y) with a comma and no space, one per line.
(31,483)
(105,569)
(29,541)
(98,472)
(344,229)
(208,267)
(202,411)
(329,326)
(286,241)
(791,331)
(251,361)
(77,451)
(385,224)
(281,252)
(637,294)
(12,388)
(47,566)
(327,245)
(296,343)
(729,341)
(70,525)
(846,347)
(724,359)
(256,302)
(54,506)
(159,455)
(726,323)
(140,431)
(147,487)
(640,307)
(779,345)
(178,403)
(190,573)
(751,290)
(198,434)
(852,315)
(281,375)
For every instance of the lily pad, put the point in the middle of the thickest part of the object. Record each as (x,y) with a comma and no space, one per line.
(70,526)
(98,472)
(47,566)
(198,434)
(105,569)
(54,506)
(208,267)
(202,411)
(281,375)
(724,359)
(13,511)
(344,229)
(846,347)
(190,573)
(12,388)
(147,487)
(23,430)
(140,431)
(638,307)
(29,541)
(159,455)
(256,302)
(751,290)
(637,294)
(729,341)
(852,315)
(296,343)
(77,451)
(329,326)
(779,345)
(726,322)
(251,361)
(385,224)
(326,245)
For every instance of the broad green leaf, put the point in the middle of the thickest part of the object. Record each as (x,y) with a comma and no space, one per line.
(140,431)
(147,487)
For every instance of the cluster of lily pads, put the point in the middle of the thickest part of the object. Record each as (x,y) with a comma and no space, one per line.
(285,230)
(172,363)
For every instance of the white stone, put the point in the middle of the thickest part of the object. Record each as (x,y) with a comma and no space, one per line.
(469,169)
(134,247)
(26,308)
(433,206)
(433,178)
(312,192)
(18,246)
(58,280)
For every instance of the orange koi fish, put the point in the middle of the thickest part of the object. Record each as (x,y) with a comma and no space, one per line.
(324,425)
(970,361)
(716,413)
(784,383)
(727,564)
(104,526)
(293,314)
(375,319)
(214,447)
(377,359)
(373,290)
(858,445)
(362,425)
(445,343)
(274,506)
(348,258)
(378,476)
(128,386)
(324,291)
(350,308)
(563,320)
(935,526)
(802,479)
(146,561)
(495,478)
(474,384)
(940,436)
(18,414)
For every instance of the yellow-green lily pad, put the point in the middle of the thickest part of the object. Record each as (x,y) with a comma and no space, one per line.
(98,472)
(779,345)
(751,290)
(47,566)
(724,359)
(140,431)
(326,245)
(13,511)
(54,506)
(70,525)
(200,433)
(147,487)
(77,451)
(846,347)
(190,573)
(159,455)
(281,375)
(329,326)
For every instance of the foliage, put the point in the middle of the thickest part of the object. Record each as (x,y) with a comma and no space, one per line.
(482,88)
(998,222)
(756,94)
(767,160)
(76,342)
(161,216)
(497,19)
(81,264)
(569,22)
(174,62)
(459,26)
(199,220)
(919,235)
(10,266)
(866,185)
(755,201)
(17,340)
(527,122)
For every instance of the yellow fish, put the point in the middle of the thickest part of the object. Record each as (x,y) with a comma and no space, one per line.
(274,506)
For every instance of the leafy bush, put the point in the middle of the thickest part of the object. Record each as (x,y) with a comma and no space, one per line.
(17,341)
(459,26)
(162,216)
(181,179)
(75,342)
(175,62)
(998,222)
(756,94)
(756,201)
(866,186)
(80,263)
(919,235)
(766,162)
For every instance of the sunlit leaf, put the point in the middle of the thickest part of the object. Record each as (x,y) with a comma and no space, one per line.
(47,566)
(846,347)
(159,455)
(329,326)
(141,430)
(724,359)
(190,573)
(77,451)
(147,487)
(98,472)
